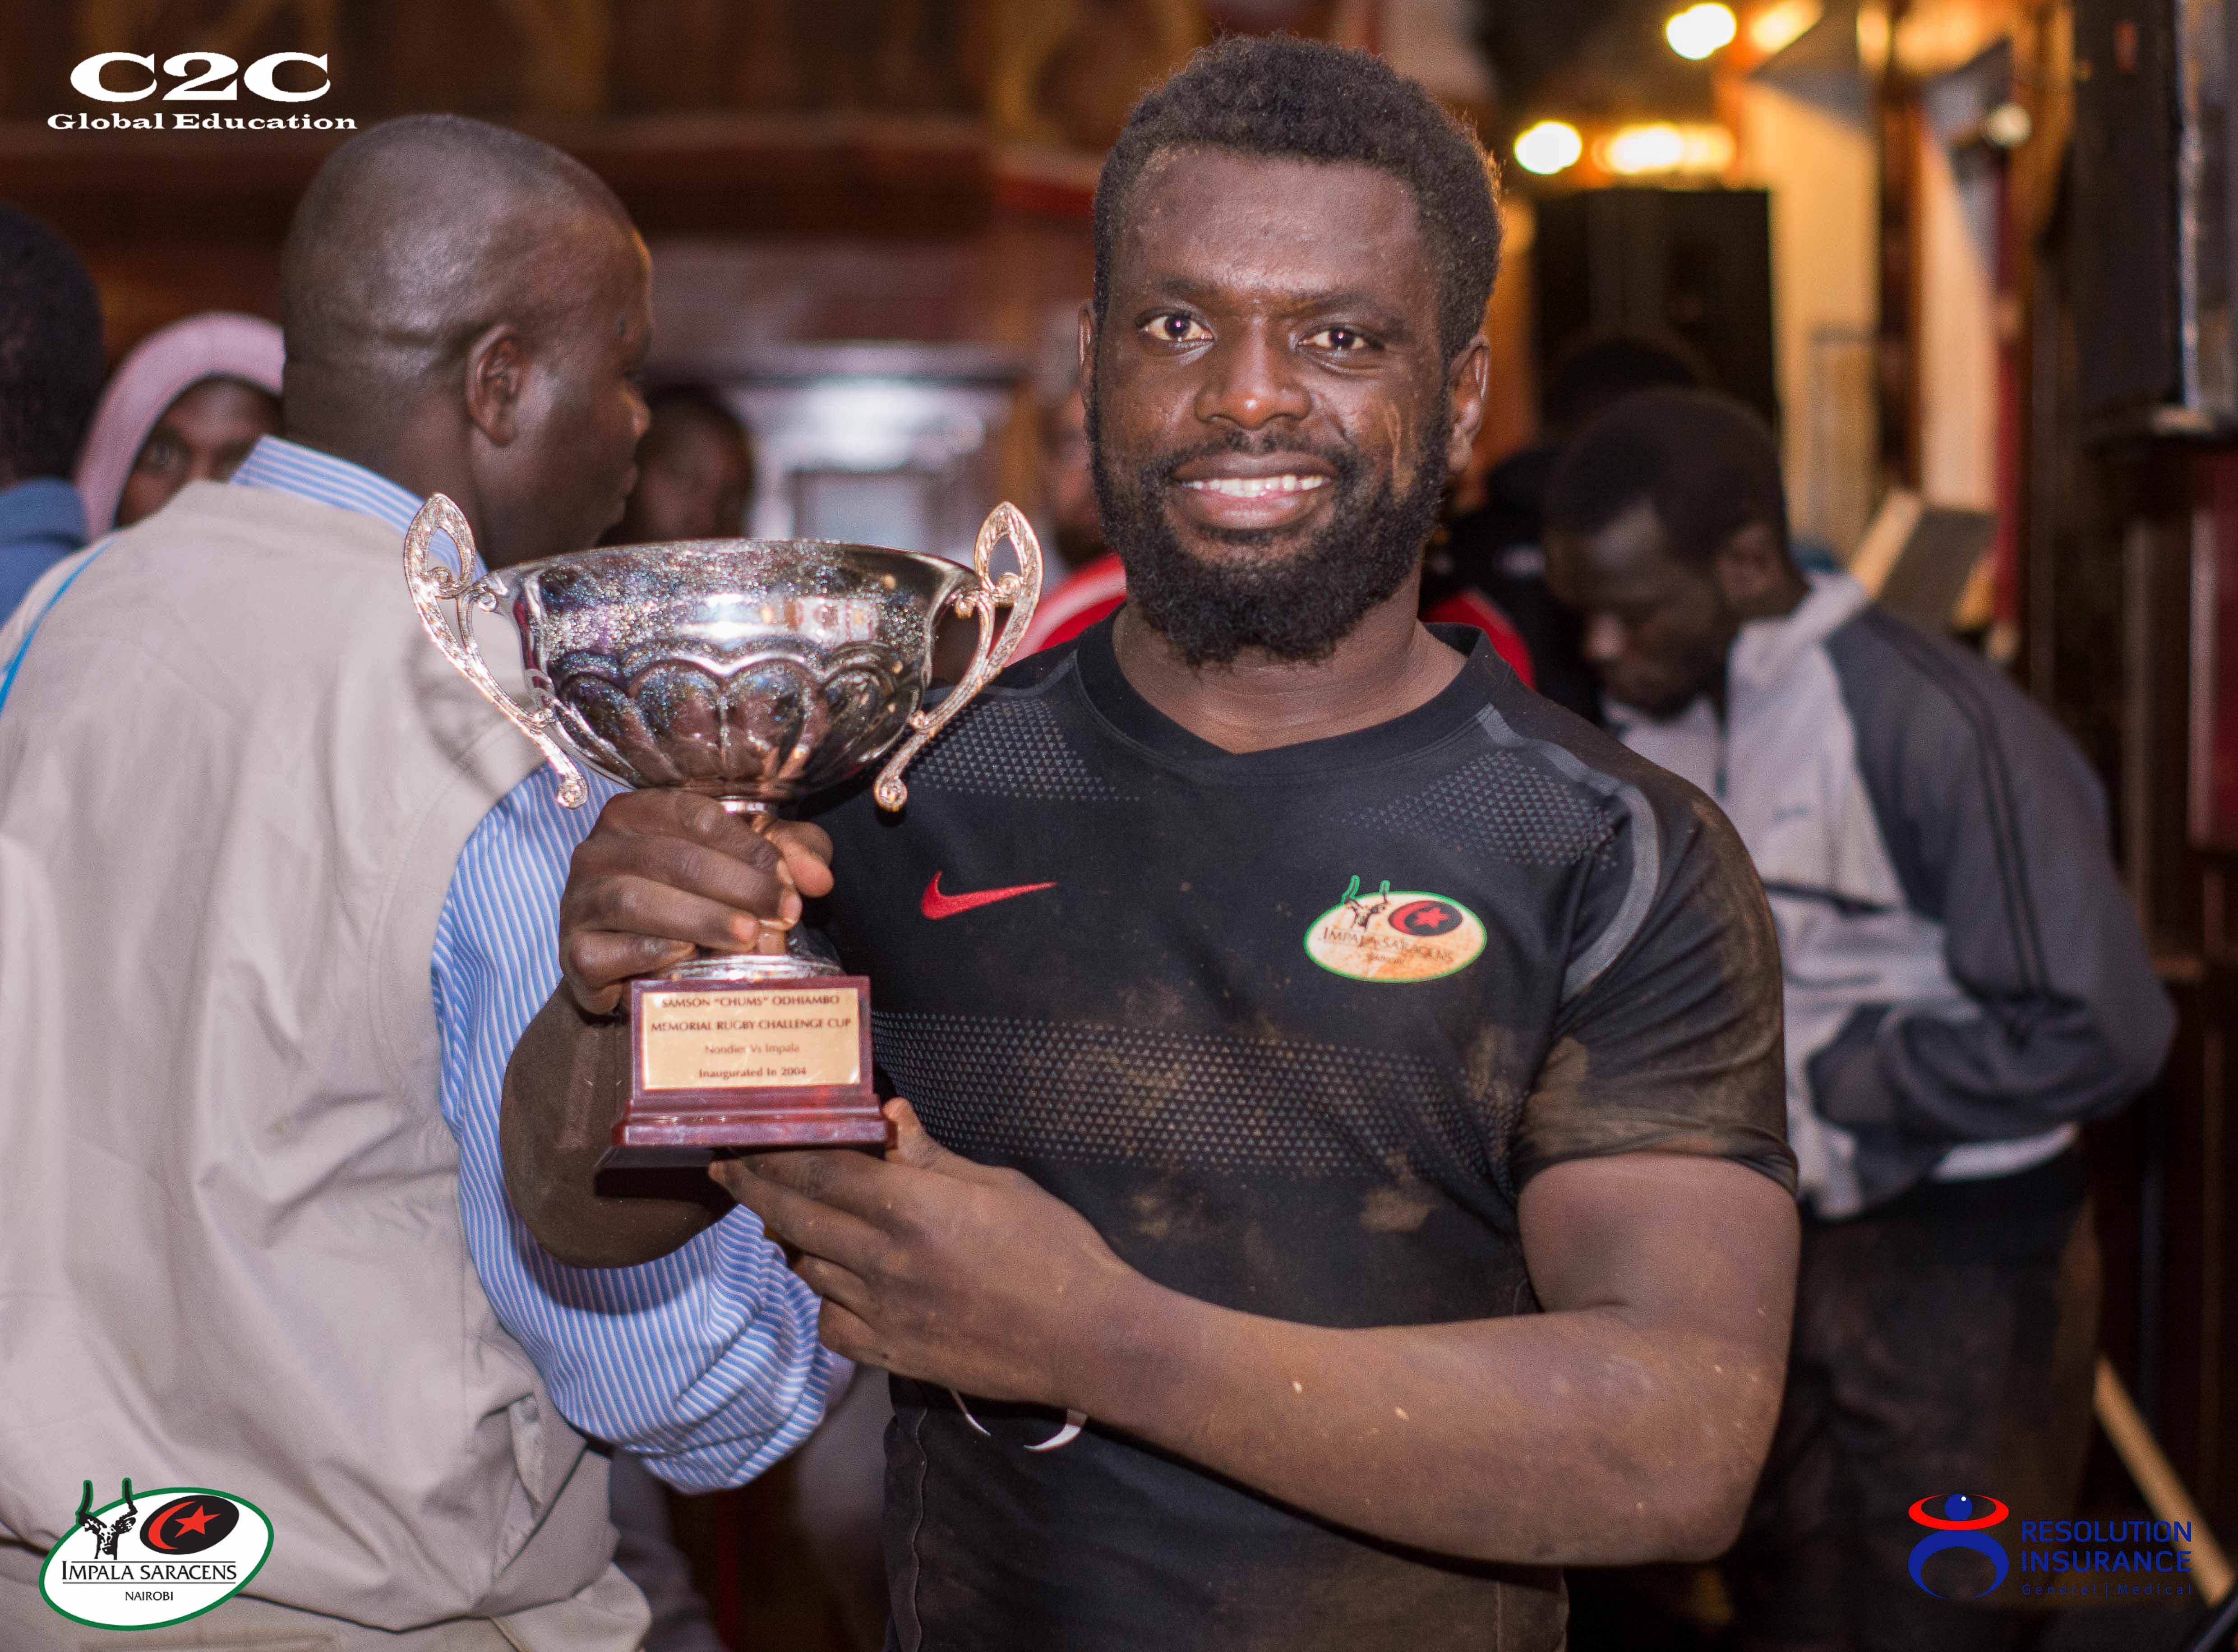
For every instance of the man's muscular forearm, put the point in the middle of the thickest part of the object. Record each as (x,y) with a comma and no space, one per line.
(1578,1439)
(1624,1424)
(564,1088)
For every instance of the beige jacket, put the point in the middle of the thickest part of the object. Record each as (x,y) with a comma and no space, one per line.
(235,779)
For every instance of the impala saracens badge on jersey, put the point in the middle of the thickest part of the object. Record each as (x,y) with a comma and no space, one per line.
(160,1557)
(1395,935)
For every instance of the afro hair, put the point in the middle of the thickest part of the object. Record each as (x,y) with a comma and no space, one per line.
(1284,97)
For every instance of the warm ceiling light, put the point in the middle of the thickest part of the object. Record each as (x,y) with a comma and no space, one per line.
(1700,30)
(1660,147)
(1631,150)
(1548,147)
(1777,27)
(1707,149)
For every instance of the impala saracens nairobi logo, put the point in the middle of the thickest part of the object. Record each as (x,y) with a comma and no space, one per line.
(160,1557)
(1394,935)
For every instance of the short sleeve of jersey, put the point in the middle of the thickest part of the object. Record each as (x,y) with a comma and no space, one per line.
(1669,1039)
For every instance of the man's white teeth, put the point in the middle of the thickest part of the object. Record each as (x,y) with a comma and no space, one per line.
(1258,486)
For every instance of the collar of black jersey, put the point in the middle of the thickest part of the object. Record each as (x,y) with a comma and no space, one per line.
(1134,719)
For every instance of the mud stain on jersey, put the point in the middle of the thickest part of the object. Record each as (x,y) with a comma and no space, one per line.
(1400,1209)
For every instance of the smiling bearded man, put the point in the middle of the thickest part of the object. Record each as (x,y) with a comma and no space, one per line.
(1289,602)
(1349,1080)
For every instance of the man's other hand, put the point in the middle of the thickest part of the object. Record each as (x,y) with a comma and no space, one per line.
(939,1267)
(666,873)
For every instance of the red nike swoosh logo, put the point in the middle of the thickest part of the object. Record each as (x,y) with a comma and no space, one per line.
(937,906)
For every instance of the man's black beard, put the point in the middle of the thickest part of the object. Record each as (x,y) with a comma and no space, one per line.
(1297,606)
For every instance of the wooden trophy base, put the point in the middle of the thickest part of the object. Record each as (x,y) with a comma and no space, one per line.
(726,1064)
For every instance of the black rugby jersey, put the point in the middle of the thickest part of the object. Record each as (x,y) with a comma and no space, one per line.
(1292,1028)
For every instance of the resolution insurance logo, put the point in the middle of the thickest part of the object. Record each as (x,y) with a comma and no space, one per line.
(1959,1523)
(161,1557)
(200,78)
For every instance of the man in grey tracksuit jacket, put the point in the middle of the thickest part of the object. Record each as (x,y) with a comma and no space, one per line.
(1964,984)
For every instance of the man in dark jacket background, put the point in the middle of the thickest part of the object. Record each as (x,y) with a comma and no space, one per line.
(1964,984)
(1493,547)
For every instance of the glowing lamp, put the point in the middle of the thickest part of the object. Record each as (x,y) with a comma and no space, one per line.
(1548,147)
(1631,150)
(2008,126)
(1701,30)
(1661,147)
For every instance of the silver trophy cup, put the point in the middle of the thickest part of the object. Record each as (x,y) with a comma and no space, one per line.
(754,672)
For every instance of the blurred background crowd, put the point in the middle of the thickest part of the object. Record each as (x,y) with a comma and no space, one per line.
(1972,260)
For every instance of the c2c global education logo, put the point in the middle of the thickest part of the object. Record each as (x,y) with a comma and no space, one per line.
(201,77)
(1959,1523)
(155,1558)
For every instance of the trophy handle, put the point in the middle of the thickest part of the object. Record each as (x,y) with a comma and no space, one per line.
(431,585)
(982,597)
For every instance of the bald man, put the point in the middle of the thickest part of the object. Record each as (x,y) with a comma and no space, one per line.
(262,974)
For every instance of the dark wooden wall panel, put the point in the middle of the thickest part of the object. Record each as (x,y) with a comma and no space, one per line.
(2166,1171)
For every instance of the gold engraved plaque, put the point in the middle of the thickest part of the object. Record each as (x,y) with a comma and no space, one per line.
(784,1063)
(769,1039)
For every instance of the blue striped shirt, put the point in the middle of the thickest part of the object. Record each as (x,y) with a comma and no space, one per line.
(705,1362)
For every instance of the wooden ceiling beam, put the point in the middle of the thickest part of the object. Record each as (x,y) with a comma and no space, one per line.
(721,175)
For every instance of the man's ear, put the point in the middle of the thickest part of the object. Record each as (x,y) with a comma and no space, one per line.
(1468,382)
(496,376)
(1754,572)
